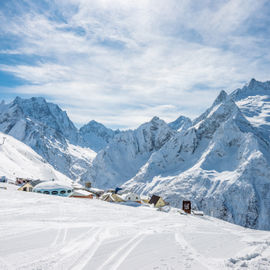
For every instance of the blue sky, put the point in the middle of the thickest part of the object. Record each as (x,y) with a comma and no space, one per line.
(122,62)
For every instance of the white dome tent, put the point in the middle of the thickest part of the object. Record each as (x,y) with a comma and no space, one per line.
(54,188)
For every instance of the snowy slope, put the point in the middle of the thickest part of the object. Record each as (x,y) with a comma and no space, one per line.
(19,160)
(221,164)
(51,233)
(46,129)
(254,101)
(96,136)
(127,152)
(182,123)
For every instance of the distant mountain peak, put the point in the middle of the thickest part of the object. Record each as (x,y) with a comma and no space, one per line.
(253,88)
(257,85)
(222,107)
(252,83)
(40,100)
(155,119)
(96,136)
(181,123)
(221,98)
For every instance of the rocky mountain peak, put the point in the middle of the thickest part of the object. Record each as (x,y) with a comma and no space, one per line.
(182,123)
(96,136)
(222,108)
(257,85)
(253,88)
(47,114)
(155,119)
(221,98)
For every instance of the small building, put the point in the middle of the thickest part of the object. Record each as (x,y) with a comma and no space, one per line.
(130,196)
(111,197)
(77,186)
(186,206)
(54,188)
(145,199)
(28,186)
(157,201)
(96,191)
(80,193)
(21,181)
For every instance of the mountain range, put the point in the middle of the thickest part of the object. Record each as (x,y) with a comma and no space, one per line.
(220,160)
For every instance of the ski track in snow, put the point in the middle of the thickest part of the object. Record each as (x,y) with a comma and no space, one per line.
(75,234)
(118,257)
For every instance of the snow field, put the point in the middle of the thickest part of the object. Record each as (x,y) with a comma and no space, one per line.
(45,232)
(19,160)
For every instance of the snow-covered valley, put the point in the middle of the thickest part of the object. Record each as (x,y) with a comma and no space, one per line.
(49,232)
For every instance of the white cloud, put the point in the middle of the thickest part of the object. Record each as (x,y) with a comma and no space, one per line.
(126,61)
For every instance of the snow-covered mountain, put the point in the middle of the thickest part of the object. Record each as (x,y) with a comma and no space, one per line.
(19,160)
(220,160)
(254,101)
(47,129)
(221,164)
(182,123)
(96,136)
(127,152)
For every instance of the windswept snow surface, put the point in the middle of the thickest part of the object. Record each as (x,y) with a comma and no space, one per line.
(48,232)
(19,160)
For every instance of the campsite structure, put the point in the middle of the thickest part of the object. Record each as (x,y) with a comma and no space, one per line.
(157,201)
(186,206)
(130,196)
(111,197)
(96,191)
(54,188)
(29,185)
(22,181)
(80,193)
